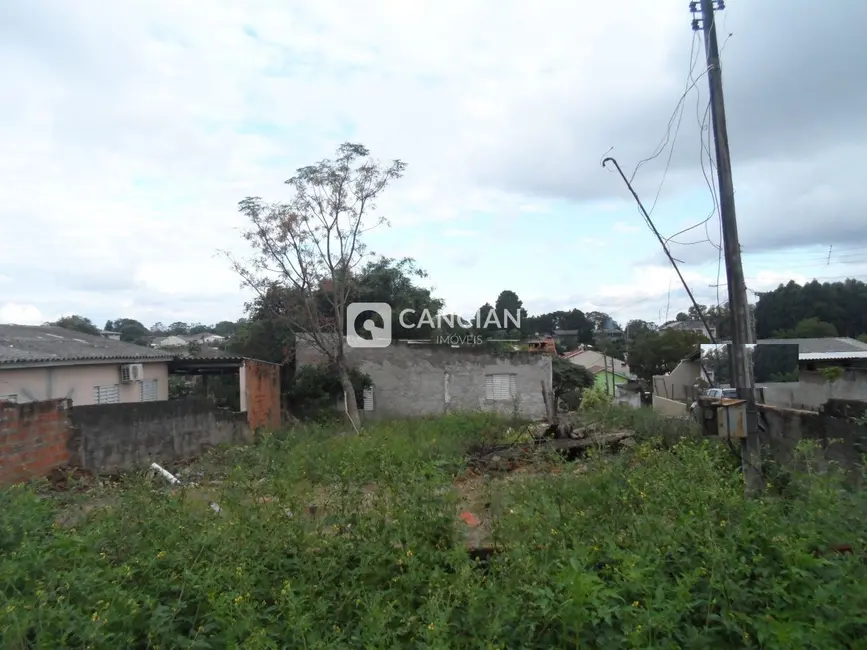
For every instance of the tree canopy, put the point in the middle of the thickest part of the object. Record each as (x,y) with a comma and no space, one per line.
(78,324)
(842,305)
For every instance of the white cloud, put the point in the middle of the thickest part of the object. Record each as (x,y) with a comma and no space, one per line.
(132,137)
(21,314)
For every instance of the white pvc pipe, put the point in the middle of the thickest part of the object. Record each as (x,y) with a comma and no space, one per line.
(174,480)
(171,478)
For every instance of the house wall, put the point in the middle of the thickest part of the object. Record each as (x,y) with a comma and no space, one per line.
(33,439)
(812,390)
(678,384)
(603,380)
(416,380)
(590,358)
(76,382)
(260,387)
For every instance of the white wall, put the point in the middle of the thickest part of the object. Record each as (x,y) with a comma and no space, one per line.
(76,382)
(812,390)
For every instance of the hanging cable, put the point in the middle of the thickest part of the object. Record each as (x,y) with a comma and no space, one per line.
(667,254)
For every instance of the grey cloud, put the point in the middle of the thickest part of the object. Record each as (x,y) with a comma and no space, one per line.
(797,116)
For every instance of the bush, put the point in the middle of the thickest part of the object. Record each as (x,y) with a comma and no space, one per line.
(315,390)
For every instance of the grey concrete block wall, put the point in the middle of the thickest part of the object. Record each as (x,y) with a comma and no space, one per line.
(812,390)
(113,437)
(417,380)
(843,441)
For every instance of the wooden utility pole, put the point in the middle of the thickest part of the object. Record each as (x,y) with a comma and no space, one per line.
(742,333)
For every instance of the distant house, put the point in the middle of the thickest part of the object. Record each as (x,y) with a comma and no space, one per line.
(114,336)
(205,338)
(40,363)
(170,342)
(545,345)
(608,371)
(608,331)
(690,326)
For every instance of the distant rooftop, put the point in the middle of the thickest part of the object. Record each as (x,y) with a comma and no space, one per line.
(22,344)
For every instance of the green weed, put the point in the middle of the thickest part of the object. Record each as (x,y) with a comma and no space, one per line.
(651,548)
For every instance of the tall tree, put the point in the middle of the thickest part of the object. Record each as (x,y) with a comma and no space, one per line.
(178,328)
(394,282)
(656,353)
(313,244)
(77,323)
(510,308)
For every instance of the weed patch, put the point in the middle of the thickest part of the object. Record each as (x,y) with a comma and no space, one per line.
(653,547)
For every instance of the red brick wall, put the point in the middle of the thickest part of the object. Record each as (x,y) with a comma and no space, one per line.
(33,439)
(263,394)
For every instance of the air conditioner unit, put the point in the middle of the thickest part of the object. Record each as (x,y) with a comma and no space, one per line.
(131,372)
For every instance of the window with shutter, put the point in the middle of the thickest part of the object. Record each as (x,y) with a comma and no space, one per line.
(109,394)
(500,388)
(149,390)
(368,399)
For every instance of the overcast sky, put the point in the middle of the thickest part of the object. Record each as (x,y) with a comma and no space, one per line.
(130,130)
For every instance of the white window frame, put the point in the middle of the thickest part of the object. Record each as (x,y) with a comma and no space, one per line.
(149,397)
(367,400)
(501,387)
(106,394)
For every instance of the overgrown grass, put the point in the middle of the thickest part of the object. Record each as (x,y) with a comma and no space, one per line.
(653,548)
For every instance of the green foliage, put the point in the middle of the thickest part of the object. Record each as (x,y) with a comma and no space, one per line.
(656,353)
(832,374)
(596,398)
(568,376)
(775,362)
(78,324)
(808,328)
(656,548)
(843,305)
(316,388)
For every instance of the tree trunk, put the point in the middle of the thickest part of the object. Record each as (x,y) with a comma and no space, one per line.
(349,393)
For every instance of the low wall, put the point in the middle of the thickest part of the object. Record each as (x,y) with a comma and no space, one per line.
(33,439)
(812,390)
(669,407)
(844,441)
(40,436)
(113,437)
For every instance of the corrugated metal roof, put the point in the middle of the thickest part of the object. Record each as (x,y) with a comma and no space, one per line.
(829,356)
(829,344)
(23,344)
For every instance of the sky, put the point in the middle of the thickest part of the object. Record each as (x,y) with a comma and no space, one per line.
(129,132)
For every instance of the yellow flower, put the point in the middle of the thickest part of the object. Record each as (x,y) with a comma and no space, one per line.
(430,626)
(409,553)
(635,603)
(161,555)
(642,495)
(95,617)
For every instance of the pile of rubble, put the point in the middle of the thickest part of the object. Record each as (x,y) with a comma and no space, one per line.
(567,436)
